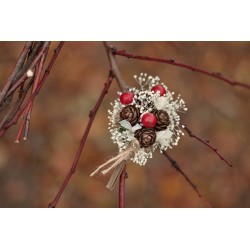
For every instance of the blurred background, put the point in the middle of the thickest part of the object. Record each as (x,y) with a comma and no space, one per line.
(31,172)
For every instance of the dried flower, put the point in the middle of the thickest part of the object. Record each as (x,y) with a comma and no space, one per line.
(126,121)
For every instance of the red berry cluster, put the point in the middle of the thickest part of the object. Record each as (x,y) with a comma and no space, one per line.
(148,120)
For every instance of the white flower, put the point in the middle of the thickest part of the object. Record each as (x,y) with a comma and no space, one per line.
(130,130)
(127,125)
(163,137)
(161,102)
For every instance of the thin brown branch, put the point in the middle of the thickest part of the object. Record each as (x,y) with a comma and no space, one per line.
(216,75)
(28,109)
(177,167)
(122,187)
(32,96)
(114,67)
(92,115)
(23,90)
(24,75)
(21,75)
(18,67)
(16,106)
(123,86)
(206,143)
(34,51)
(40,68)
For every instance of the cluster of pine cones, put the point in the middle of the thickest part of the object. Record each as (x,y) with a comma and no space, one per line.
(145,136)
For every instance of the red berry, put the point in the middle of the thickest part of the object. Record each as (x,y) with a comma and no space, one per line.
(159,88)
(126,97)
(148,120)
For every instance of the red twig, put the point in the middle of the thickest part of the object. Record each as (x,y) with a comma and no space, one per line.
(18,66)
(122,187)
(92,115)
(32,96)
(33,64)
(28,116)
(29,107)
(216,75)
(176,166)
(205,142)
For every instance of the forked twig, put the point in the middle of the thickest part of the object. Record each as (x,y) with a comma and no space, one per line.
(123,86)
(176,166)
(13,121)
(113,66)
(17,68)
(206,143)
(29,107)
(23,74)
(216,75)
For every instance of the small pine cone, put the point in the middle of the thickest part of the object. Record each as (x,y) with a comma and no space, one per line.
(145,136)
(131,114)
(163,119)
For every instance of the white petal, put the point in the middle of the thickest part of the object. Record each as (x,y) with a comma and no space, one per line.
(136,127)
(130,135)
(126,124)
(163,137)
(168,134)
(161,102)
(164,142)
(159,135)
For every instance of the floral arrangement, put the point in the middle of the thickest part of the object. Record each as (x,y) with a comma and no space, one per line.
(143,120)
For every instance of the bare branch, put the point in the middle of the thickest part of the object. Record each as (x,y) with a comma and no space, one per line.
(92,115)
(17,68)
(14,120)
(26,120)
(216,75)
(113,66)
(31,66)
(176,166)
(206,142)
(20,76)
(123,86)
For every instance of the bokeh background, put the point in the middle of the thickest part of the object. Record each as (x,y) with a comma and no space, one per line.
(31,172)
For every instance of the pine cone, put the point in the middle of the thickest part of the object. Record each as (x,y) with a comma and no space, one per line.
(145,136)
(131,114)
(163,119)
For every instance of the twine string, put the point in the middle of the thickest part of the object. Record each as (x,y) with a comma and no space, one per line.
(122,156)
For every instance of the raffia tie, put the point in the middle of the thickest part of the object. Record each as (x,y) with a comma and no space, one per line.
(122,156)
